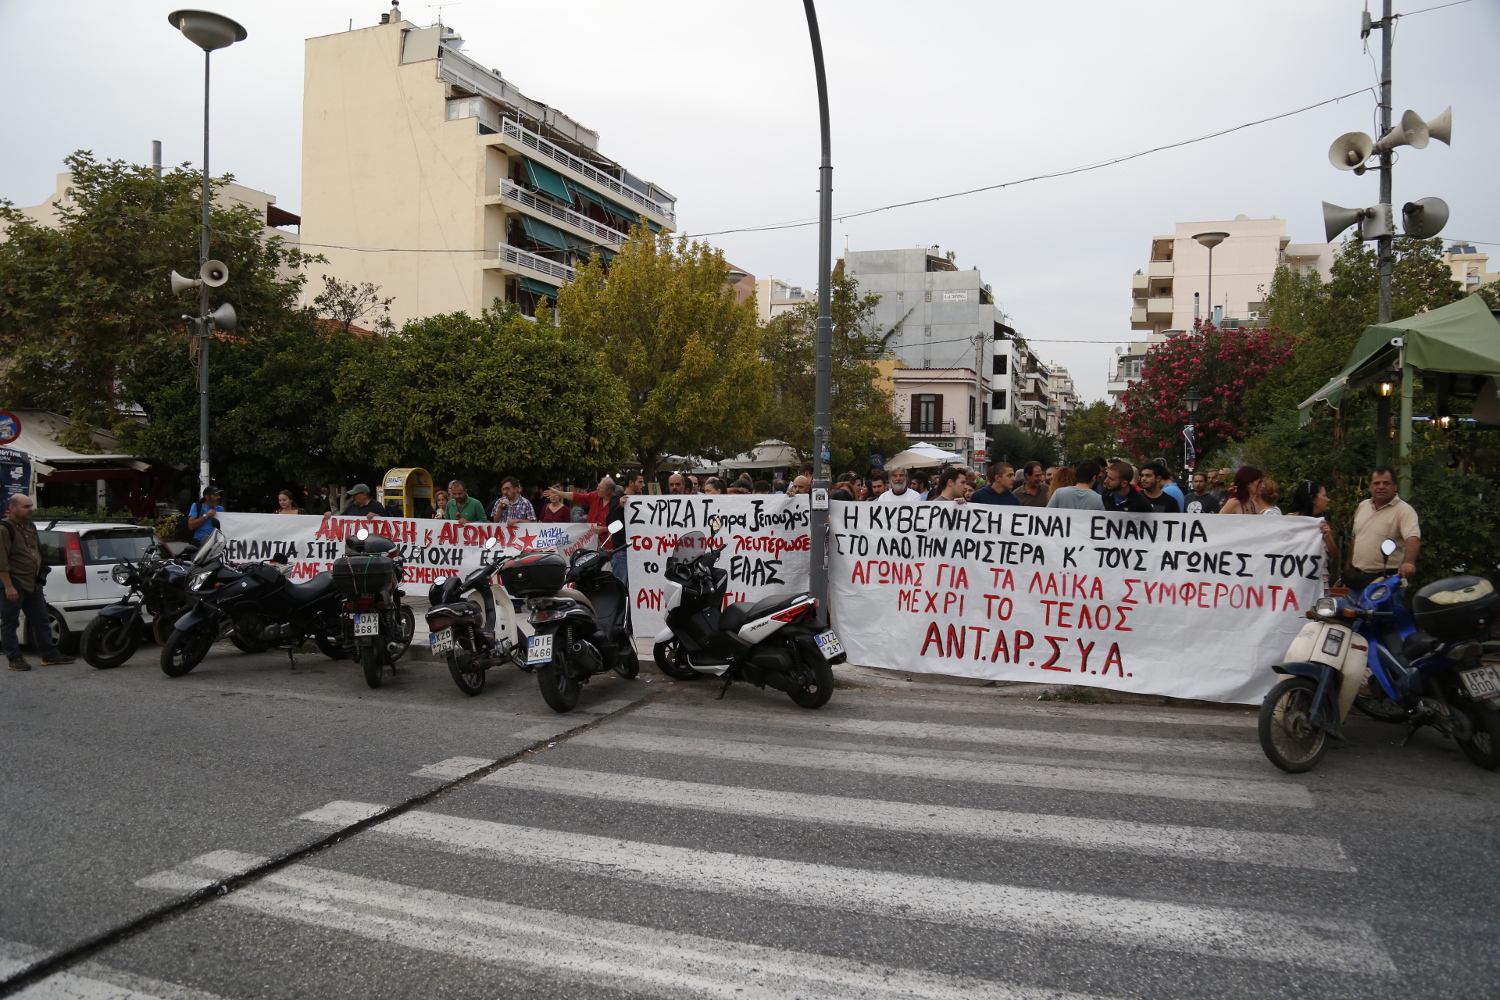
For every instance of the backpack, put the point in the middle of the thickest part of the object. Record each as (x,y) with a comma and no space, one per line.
(180,530)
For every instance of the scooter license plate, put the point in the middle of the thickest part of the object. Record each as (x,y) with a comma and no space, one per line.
(539,649)
(1482,682)
(442,641)
(829,645)
(366,624)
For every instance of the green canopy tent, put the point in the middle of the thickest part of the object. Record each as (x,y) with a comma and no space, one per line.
(1462,338)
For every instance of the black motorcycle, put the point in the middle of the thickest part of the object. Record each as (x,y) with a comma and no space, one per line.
(472,637)
(578,610)
(255,602)
(782,641)
(157,588)
(376,626)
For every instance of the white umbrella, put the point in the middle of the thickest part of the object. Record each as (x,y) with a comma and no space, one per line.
(771,454)
(923,456)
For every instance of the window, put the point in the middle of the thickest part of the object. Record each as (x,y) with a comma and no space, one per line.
(927,413)
(997,401)
(971,411)
(1001,360)
(116,546)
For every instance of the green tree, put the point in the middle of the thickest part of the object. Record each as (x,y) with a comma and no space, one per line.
(1016,445)
(665,322)
(349,302)
(1089,432)
(84,306)
(863,421)
(475,399)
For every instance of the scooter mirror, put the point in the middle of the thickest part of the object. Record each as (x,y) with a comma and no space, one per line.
(491,542)
(716,523)
(362,534)
(1387,547)
(279,558)
(616,526)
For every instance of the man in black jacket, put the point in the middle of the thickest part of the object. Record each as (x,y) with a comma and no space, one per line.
(1119,495)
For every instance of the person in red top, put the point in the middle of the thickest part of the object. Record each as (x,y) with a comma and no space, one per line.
(596,503)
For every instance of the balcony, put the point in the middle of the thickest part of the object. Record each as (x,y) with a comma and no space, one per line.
(918,426)
(524,138)
(517,195)
(1138,285)
(513,259)
(1159,269)
(1138,319)
(1159,308)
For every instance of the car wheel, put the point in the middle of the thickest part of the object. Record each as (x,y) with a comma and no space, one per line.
(64,639)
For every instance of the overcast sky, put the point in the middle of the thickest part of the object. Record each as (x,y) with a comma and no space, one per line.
(715,102)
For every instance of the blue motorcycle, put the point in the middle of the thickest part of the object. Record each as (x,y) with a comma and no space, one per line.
(1424,667)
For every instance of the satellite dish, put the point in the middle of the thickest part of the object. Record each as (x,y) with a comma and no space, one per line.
(1350,151)
(181,284)
(1337,219)
(1424,217)
(214,273)
(224,317)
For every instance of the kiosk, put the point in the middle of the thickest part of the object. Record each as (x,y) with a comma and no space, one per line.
(406,493)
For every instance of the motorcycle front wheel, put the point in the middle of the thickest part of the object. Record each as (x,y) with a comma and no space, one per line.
(469,678)
(815,693)
(1483,745)
(185,650)
(109,642)
(628,662)
(559,690)
(407,622)
(671,659)
(1287,734)
(372,663)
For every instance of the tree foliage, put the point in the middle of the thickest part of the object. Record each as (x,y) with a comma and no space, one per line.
(863,421)
(1090,431)
(349,302)
(85,306)
(476,399)
(665,323)
(1014,444)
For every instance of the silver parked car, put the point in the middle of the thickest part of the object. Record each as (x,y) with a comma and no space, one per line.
(82,555)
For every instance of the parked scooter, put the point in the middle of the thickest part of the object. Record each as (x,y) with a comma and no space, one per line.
(782,641)
(253,600)
(578,610)
(158,590)
(472,637)
(1424,664)
(377,628)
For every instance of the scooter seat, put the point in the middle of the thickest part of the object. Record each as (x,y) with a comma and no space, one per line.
(578,596)
(736,615)
(1418,645)
(312,590)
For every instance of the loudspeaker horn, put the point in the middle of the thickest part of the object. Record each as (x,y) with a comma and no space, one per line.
(1424,218)
(1337,219)
(214,273)
(1441,127)
(1350,151)
(181,284)
(224,317)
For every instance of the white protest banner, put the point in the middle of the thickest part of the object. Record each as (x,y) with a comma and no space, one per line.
(432,549)
(765,546)
(1188,606)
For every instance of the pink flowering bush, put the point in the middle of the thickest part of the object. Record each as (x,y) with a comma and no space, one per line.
(1223,365)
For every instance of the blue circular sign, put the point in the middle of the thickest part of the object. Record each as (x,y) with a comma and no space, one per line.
(10,427)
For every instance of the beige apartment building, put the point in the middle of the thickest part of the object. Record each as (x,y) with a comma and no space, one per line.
(470,190)
(774,297)
(1471,269)
(1171,292)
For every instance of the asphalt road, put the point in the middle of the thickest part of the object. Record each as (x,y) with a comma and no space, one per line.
(658,842)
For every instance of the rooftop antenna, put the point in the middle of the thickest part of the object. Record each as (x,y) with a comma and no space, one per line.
(439,8)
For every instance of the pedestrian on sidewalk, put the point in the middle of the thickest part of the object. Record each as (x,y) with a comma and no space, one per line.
(1032,492)
(1121,497)
(23,575)
(998,490)
(1081,495)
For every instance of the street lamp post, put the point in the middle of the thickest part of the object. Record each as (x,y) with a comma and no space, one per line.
(1190,400)
(1211,240)
(208,31)
(823,386)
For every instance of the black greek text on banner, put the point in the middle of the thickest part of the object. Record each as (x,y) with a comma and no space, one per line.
(1188,606)
(433,549)
(765,541)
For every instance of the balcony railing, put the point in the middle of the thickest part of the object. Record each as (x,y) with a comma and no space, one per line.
(509,189)
(521,258)
(920,426)
(532,141)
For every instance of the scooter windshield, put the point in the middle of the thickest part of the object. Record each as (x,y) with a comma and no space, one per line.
(212,548)
(689,547)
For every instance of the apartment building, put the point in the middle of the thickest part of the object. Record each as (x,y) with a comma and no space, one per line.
(946,407)
(408,144)
(944,317)
(1171,292)
(1471,269)
(774,297)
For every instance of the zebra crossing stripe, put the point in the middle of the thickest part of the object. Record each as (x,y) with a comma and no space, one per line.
(601,953)
(945,733)
(1150,839)
(1278,793)
(89,980)
(1280,938)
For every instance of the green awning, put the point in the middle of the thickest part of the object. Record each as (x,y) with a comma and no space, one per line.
(628,214)
(1462,338)
(544,233)
(585,249)
(549,181)
(538,287)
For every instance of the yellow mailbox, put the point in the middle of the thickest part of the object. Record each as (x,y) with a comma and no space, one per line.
(406,493)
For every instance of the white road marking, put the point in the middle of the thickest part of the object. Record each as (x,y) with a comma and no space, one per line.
(944,733)
(1151,839)
(453,767)
(1345,945)
(596,952)
(90,980)
(1240,717)
(1271,792)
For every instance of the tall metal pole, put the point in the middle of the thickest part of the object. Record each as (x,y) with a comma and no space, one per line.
(204,327)
(1211,285)
(1386,247)
(823,390)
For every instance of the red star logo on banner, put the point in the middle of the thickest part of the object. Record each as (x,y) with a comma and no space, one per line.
(526,539)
